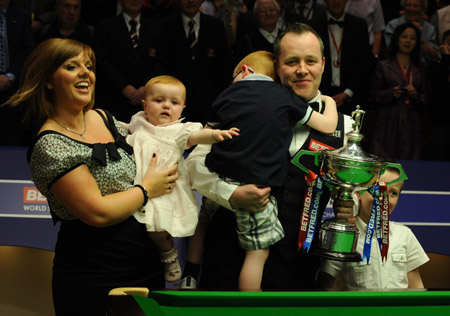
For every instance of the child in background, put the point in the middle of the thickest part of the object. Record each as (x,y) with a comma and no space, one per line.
(265,112)
(405,254)
(159,130)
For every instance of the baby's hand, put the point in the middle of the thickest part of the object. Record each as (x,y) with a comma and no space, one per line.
(220,135)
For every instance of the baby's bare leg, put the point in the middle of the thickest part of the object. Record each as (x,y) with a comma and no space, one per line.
(163,240)
(252,269)
(169,255)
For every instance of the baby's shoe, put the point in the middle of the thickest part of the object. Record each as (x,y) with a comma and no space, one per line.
(172,269)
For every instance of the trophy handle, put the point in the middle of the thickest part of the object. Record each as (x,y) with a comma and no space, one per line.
(296,159)
(399,167)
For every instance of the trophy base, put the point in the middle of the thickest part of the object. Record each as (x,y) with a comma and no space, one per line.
(338,256)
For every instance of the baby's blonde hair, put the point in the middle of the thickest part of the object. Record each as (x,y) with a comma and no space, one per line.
(262,62)
(166,79)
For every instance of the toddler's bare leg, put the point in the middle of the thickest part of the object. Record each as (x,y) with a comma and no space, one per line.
(196,247)
(252,269)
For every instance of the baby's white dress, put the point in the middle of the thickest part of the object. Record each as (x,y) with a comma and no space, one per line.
(176,212)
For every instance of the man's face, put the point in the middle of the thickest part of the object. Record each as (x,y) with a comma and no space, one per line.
(267,14)
(4,4)
(190,7)
(301,64)
(336,7)
(413,10)
(68,13)
(131,7)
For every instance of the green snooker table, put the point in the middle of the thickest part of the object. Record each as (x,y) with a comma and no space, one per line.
(220,303)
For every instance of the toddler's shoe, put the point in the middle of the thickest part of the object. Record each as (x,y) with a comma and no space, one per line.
(188,282)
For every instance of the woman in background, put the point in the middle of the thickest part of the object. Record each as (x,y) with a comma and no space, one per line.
(400,91)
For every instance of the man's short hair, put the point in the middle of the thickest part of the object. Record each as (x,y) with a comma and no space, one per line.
(424,4)
(297,29)
(256,7)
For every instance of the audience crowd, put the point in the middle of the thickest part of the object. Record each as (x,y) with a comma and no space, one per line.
(200,42)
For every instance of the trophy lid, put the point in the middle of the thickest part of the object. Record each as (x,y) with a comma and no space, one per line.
(353,150)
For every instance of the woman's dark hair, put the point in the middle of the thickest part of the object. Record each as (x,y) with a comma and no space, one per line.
(393,47)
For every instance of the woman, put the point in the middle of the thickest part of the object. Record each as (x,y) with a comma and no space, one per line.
(400,91)
(82,164)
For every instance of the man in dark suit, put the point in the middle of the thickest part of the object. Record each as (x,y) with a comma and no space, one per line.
(68,24)
(18,42)
(127,57)
(347,56)
(198,57)
(266,13)
(305,11)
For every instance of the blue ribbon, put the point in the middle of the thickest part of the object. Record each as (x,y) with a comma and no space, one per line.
(373,223)
(313,214)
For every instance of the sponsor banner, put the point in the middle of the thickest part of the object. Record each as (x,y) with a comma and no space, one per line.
(21,198)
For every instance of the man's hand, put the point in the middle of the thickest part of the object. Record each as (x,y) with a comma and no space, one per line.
(134,95)
(344,209)
(250,197)
(340,98)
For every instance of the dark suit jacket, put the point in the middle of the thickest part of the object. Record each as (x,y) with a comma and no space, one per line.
(355,57)
(119,64)
(249,43)
(83,33)
(20,38)
(20,44)
(208,73)
(291,16)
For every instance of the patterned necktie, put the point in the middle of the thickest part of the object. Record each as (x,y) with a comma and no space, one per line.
(191,37)
(4,56)
(133,33)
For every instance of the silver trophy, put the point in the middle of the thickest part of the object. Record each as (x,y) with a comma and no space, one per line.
(348,169)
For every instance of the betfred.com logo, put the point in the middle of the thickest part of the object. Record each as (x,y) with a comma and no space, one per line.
(315,145)
(32,195)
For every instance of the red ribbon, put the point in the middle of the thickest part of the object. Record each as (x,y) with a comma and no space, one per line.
(384,220)
(310,184)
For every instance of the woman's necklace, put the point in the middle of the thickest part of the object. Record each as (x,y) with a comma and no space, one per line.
(72,131)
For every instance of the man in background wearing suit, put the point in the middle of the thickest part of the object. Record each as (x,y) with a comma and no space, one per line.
(347,52)
(267,13)
(305,11)
(199,57)
(128,55)
(16,42)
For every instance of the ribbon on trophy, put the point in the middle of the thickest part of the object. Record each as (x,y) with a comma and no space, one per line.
(378,221)
(310,210)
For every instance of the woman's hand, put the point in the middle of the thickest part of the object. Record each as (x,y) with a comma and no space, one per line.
(159,182)
(411,89)
(250,197)
(397,92)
